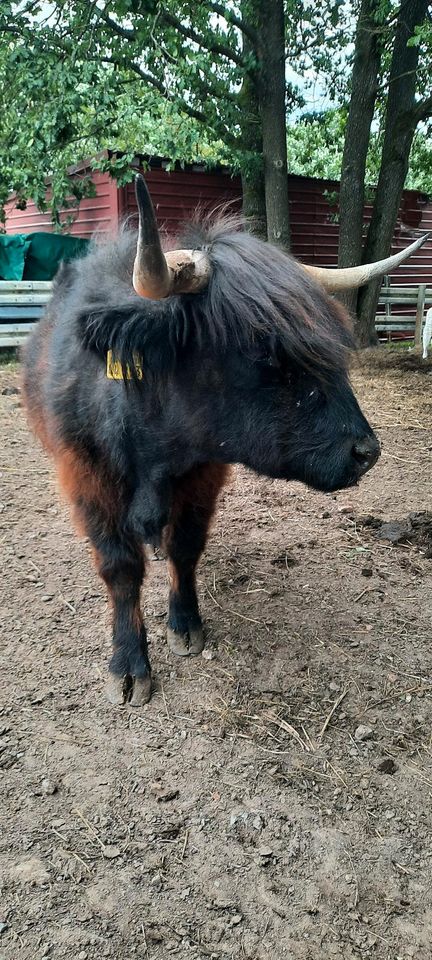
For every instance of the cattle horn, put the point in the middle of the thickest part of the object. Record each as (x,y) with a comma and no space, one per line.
(157,274)
(348,278)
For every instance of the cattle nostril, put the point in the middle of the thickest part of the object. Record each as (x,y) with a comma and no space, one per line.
(366,452)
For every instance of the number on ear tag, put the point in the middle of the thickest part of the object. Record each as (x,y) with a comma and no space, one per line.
(114,369)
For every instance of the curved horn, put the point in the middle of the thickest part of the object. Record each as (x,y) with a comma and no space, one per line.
(157,275)
(348,278)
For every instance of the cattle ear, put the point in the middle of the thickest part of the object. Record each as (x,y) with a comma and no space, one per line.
(142,338)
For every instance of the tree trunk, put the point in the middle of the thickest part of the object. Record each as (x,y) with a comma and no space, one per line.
(252,175)
(271,48)
(254,205)
(400,123)
(364,85)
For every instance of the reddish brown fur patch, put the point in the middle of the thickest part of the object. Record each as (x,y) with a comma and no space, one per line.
(173,576)
(198,488)
(33,378)
(81,482)
(84,484)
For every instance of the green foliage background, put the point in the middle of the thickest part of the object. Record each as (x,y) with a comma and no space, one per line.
(77,78)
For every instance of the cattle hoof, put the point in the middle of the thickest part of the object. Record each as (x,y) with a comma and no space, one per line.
(186,644)
(141,691)
(133,690)
(116,690)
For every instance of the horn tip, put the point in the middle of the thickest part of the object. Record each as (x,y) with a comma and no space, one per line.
(141,190)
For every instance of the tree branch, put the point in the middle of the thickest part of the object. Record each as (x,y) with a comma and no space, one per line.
(190,34)
(123,32)
(153,82)
(234,21)
(423,110)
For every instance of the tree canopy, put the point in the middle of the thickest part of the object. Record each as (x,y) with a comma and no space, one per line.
(178,79)
(76,78)
(207,80)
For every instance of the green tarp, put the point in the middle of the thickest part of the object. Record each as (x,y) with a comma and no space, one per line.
(13,252)
(37,256)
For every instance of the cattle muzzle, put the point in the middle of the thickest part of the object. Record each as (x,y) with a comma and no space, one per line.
(365,453)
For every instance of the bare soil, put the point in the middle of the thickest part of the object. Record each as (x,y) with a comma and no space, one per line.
(274,798)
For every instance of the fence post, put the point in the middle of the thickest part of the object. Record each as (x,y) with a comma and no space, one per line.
(419,314)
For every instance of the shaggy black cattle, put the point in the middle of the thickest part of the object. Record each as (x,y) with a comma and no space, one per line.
(143,403)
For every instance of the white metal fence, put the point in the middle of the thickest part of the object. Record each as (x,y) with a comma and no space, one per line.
(22,303)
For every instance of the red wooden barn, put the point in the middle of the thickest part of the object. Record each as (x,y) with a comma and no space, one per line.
(177,193)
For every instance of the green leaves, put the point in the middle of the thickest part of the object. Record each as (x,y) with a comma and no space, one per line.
(178,79)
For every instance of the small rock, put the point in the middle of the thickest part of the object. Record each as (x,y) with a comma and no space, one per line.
(46,597)
(82,955)
(237,816)
(156,882)
(367,572)
(49,787)
(389,814)
(363,733)
(111,852)
(265,852)
(257,823)
(207,654)
(387,766)
(237,918)
(3,926)
(326,514)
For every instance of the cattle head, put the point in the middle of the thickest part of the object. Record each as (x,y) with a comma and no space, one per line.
(252,350)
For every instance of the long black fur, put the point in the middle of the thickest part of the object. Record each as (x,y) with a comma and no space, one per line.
(257,294)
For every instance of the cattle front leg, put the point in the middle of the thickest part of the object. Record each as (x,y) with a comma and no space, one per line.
(120,563)
(194,502)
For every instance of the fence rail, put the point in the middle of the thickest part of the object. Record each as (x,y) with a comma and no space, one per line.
(417,295)
(22,303)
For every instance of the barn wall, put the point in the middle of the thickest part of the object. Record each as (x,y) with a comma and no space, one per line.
(176,195)
(99,213)
(315,232)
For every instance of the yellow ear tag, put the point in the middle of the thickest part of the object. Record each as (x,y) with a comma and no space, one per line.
(114,368)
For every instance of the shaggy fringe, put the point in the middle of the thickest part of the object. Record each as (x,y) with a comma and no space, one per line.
(257,294)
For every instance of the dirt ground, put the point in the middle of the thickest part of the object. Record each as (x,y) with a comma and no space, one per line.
(274,798)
